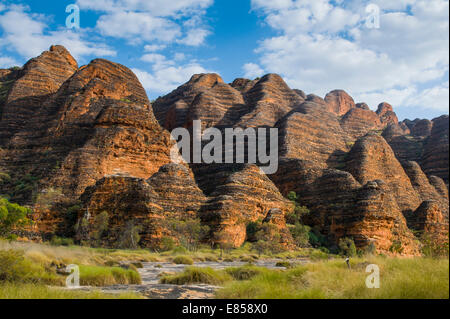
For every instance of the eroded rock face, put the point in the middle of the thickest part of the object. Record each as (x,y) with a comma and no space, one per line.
(378,219)
(439,185)
(99,122)
(422,185)
(247,195)
(435,157)
(422,128)
(358,121)
(339,102)
(386,113)
(91,134)
(428,220)
(39,78)
(311,133)
(371,158)
(178,192)
(128,202)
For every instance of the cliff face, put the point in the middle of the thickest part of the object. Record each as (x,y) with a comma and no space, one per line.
(90,136)
(98,122)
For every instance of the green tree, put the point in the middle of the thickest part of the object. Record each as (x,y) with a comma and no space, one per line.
(296,215)
(101,223)
(292,196)
(130,236)
(12,217)
(300,233)
(347,247)
(189,232)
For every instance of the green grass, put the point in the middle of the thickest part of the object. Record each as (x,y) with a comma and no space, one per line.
(108,276)
(16,267)
(245,272)
(206,275)
(197,275)
(183,260)
(33,291)
(421,278)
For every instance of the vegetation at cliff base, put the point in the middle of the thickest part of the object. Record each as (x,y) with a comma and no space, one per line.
(12,216)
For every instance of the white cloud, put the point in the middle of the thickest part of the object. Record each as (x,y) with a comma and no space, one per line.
(155,58)
(154,47)
(324,45)
(7,62)
(26,33)
(252,70)
(166,74)
(156,20)
(179,56)
(157,8)
(165,78)
(138,26)
(436,98)
(194,37)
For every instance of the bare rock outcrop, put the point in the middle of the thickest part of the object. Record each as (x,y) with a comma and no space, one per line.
(436,152)
(339,102)
(178,192)
(386,113)
(429,221)
(371,158)
(247,195)
(359,121)
(129,202)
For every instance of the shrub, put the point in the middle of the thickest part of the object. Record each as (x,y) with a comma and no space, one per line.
(100,226)
(298,212)
(285,264)
(167,243)
(48,197)
(183,260)
(434,247)
(196,275)
(244,272)
(12,216)
(300,233)
(179,250)
(60,241)
(189,232)
(106,276)
(347,247)
(252,228)
(396,247)
(292,196)
(316,239)
(318,255)
(130,236)
(4,178)
(14,267)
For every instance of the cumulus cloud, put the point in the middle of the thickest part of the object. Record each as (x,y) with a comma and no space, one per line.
(324,45)
(140,21)
(252,70)
(195,37)
(7,62)
(166,74)
(166,77)
(154,47)
(26,33)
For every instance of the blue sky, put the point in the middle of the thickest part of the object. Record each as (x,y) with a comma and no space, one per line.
(316,45)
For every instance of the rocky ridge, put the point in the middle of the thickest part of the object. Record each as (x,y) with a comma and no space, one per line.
(91,136)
